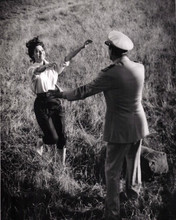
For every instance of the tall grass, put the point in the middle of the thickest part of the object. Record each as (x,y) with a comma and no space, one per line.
(38,188)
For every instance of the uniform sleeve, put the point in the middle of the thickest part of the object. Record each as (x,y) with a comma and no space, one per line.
(101,83)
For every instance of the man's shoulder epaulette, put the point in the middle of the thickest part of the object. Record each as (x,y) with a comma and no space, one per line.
(107,68)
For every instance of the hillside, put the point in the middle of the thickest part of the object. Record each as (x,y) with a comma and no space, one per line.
(36,188)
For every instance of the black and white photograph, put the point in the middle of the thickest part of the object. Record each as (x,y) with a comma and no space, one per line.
(88,110)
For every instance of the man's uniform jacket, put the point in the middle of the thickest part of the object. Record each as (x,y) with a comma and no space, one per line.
(122,85)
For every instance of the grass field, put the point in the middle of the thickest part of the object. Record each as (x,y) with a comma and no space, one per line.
(35,188)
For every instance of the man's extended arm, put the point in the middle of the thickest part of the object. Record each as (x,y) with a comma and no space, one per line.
(100,84)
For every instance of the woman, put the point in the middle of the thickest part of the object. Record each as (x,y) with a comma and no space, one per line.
(49,112)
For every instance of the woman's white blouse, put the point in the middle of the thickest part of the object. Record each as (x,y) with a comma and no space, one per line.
(43,82)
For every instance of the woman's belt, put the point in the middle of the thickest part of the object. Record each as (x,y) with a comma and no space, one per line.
(49,97)
(42,95)
(45,94)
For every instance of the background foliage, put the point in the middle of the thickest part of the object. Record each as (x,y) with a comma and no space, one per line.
(38,188)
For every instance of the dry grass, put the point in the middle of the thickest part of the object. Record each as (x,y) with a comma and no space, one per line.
(37,188)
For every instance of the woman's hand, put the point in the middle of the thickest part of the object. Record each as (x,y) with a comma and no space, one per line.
(66,63)
(51,66)
(39,70)
(42,68)
(87,42)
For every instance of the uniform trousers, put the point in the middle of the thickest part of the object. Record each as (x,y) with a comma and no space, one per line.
(116,153)
(50,117)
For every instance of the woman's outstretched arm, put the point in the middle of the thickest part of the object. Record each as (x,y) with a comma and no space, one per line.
(75,52)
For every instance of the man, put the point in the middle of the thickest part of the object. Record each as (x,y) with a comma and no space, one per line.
(125,120)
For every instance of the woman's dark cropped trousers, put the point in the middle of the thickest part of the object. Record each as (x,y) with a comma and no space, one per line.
(50,117)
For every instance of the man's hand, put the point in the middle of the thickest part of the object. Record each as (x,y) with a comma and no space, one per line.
(55,94)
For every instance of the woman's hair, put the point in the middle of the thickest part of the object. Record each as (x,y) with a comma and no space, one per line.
(31,45)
